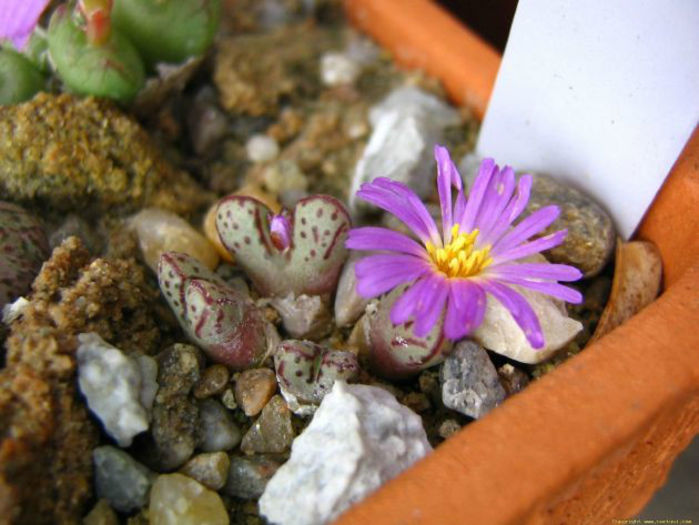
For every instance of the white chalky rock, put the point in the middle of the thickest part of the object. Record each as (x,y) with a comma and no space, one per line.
(359,438)
(337,69)
(112,384)
(500,333)
(261,148)
(406,125)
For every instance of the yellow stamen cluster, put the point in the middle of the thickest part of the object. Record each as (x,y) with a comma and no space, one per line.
(459,259)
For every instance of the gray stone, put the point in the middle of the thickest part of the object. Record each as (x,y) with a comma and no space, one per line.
(74,225)
(175,412)
(210,469)
(120,479)
(207,124)
(248,477)
(272,433)
(470,383)
(111,384)
(217,431)
(349,305)
(359,438)
(406,125)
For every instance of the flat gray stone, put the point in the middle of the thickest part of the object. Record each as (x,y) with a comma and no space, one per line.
(248,476)
(217,431)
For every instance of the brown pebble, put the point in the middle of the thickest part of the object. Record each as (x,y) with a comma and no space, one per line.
(253,388)
(448,428)
(213,381)
(417,402)
(512,379)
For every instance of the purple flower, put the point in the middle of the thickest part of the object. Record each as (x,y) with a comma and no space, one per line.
(280,231)
(479,251)
(18,19)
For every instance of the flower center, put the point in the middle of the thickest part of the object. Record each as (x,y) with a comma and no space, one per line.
(459,259)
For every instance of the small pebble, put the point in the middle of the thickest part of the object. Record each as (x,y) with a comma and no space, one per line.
(161,231)
(337,69)
(101,514)
(228,399)
(417,402)
(207,123)
(284,176)
(212,382)
(470,383)
(247,477)
(349,305)
(261,148)
(217,431)
(254,388)
(74,225)
(448,428)
(272,432)
(120,479)
(175,414)
(210,469)
(513,379)
(176,499)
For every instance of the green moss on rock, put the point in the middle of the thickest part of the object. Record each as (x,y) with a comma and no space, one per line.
(71,153)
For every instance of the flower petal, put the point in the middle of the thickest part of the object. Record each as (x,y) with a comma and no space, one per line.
(531,225)
(447,176)
(521,312)
(487,169)
(377,274)
(431,304)
(530,248)
(556,290)
(18,20)
(554,272)
(399,200)
(383,239)
(514,208)
(404,307)
(496,199)
(465,309)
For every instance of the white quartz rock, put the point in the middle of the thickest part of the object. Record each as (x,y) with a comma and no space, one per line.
(405,127)
(359,438)
(500,333)
(261,148)
(114,388)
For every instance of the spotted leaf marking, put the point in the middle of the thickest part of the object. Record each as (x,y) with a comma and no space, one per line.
(312,262)
(308,371)
(396,352)
(221,320)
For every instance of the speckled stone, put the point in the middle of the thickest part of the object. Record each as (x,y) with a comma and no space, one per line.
(254,388)
(470,383)
(591,234)
(120,479)
(210,469)
(272,432)
(213,381)
(248,476)
(175,412)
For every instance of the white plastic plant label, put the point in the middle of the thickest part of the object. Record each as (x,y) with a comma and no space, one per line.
(603,94)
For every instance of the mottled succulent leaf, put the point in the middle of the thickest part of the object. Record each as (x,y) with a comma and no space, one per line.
(20,80)
(394,350)
(23,248)
(312,263)
(174,269)
(223,321)
(307,371)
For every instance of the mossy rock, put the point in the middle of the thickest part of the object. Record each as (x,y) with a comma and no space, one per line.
(76,153)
